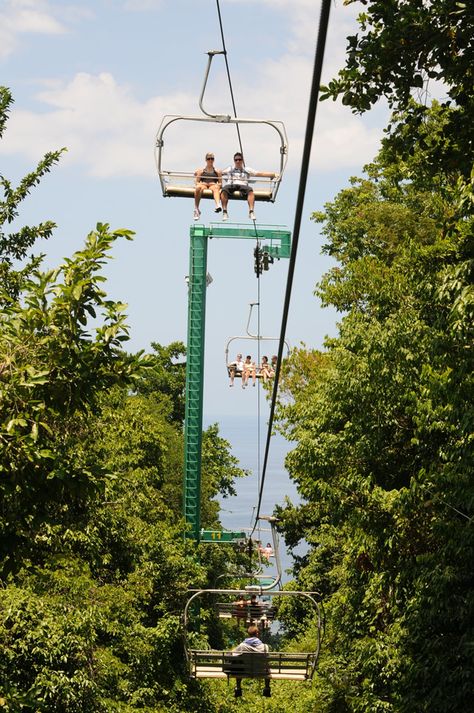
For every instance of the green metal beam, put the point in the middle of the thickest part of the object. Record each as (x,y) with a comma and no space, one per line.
(223,536)
(274,238)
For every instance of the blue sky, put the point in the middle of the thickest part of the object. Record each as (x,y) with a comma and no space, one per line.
(98,77)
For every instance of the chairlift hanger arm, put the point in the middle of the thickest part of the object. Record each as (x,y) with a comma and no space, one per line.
(257,336)
(251,305)
(216,117)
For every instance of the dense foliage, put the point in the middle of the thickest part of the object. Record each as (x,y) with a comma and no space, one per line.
(94,568)
(384,423)
(384,418)
(413,47)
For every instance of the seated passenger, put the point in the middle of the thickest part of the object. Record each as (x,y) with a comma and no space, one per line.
(235,367)
(207,177)
(239,608)
(268,550)
(265,369)
(251,645)
(237,178)
(255,607)
(250,369)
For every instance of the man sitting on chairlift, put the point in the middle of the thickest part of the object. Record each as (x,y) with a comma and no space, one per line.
(251,645)
(255,607)
(235,367)
(236,178)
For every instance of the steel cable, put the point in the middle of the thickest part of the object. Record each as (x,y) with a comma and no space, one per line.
(313,103)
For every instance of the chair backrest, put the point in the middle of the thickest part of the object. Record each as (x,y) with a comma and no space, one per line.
(256,611)
(246,665)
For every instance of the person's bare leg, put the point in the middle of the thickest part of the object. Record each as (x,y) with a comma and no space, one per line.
(216,194)
(197,196)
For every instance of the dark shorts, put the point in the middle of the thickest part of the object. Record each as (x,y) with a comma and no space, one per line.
(243,190)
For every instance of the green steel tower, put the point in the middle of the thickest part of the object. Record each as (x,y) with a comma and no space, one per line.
(275,242)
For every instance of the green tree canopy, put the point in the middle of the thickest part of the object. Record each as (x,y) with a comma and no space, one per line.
(400,48)
(383,421)
(94,567)
(14,246)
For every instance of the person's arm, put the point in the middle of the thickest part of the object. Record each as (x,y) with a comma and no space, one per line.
(198,174)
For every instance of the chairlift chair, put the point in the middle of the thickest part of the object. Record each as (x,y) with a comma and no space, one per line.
(276,665)
(252,338)
(180,184)
(266,581)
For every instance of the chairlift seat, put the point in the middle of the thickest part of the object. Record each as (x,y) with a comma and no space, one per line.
(182,185)
(277,665)
(238,374)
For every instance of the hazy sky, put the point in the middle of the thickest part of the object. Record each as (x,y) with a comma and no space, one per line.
(98,76)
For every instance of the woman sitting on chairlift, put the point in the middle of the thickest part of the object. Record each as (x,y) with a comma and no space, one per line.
(250,369)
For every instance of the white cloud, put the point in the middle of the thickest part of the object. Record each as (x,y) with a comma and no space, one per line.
(25,16)
(142,5)
(100,122)
(110,132)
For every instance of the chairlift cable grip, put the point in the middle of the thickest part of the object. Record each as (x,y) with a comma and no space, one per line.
(310,123)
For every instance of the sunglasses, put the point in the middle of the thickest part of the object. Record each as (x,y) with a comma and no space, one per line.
(209,158)
(238,159)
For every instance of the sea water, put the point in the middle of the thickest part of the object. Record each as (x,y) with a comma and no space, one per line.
(248,444)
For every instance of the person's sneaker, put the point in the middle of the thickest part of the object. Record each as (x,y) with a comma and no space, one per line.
(252,215)
(237,692)
(225,215)
(267,692)
(217,209)
(196,214)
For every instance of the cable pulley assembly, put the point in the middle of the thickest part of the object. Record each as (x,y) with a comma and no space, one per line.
(262,260)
